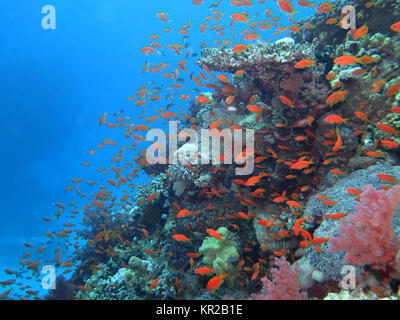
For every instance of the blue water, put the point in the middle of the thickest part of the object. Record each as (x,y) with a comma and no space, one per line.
(55,84)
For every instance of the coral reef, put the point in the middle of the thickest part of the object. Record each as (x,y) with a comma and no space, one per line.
(322,133)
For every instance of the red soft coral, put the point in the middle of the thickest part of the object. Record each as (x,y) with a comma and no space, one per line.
(366,236)
(284,284)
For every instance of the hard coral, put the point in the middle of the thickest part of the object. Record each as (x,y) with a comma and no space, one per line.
(266,63)
(367,235)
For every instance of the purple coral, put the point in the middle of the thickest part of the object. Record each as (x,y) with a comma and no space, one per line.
(284,284)
(367,236)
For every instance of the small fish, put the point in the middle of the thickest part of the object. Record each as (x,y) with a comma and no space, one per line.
(297,225)
(299,165)
(203,270)
(239,48)
(153,284)
(183,213)
(145,233)
(386,178)
(395,27)
(389,144)
(359,33)
(375,154)
(102,119)
(215,282)
(335,119)
(329,203)
(336,97)
(354,192)
(386,128)
(286,101)
(304,64)
(335,216)
(336,171)
(181,238)
(294,204)
(346,60)
(214,234)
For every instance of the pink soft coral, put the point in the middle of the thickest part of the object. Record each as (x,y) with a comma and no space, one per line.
(366,236)
(284,284)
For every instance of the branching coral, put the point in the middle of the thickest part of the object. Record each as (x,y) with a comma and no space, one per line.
(367,235)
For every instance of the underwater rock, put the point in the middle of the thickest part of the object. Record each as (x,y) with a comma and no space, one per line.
(326,262)
(151,216)
(260,231)
(64,290)
(265,62)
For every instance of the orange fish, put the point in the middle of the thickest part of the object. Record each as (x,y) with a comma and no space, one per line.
(240,48)
(202,99)
(393,89)
(286,101)
(299,165)
(325,7)
(183,213)
(255,109)
(338,143)
(102,119)
(386,177)
(319,240)
(335,216)
(375,154)
(215,124)
(145,233)
(215,282)
(336,171)
(395,27)
(152,197)
(336,97)
(285,6)
(334,119)
(214,234)
(294,204)
(163,16)
(304,64)
(386,128)
(359,33)
(181,238)
(297,225)
(203,271)
(389,144)
(346,60)
(153,284)
(329,203)
(353,191)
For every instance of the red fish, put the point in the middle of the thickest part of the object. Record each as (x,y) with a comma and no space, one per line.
(215,282)
(181,238)
(214,234)
(153,284)
(203,271)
